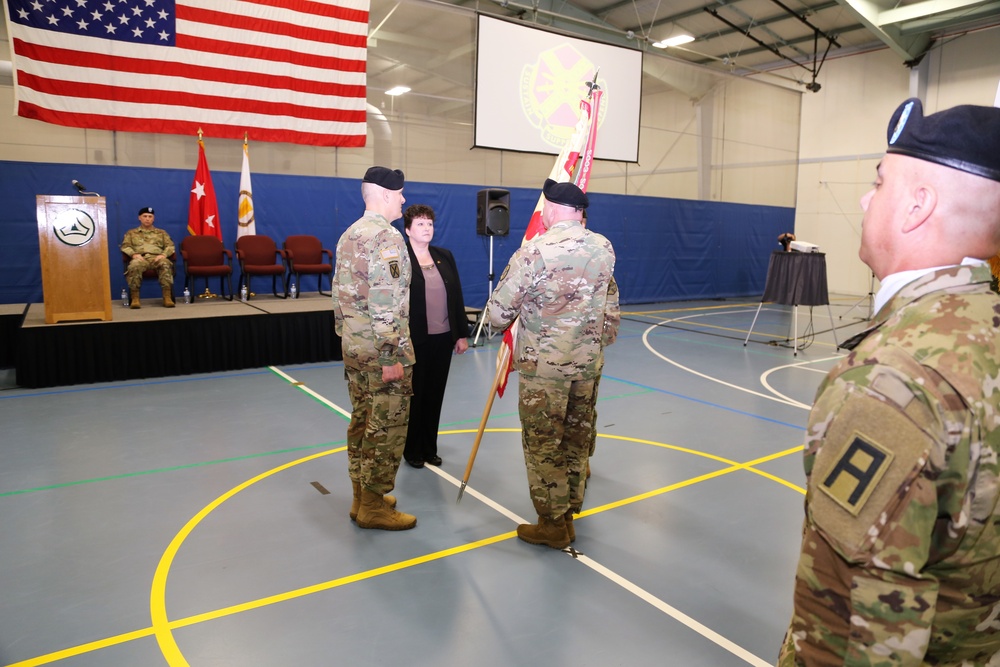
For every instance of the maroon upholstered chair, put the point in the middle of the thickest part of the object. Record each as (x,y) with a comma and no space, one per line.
(258,255)
(205,257)
(305,257)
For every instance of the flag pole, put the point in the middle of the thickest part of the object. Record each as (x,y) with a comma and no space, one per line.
(502,361)
(562,171)
(208,293)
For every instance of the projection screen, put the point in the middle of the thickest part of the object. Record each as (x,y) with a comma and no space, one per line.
(529,83)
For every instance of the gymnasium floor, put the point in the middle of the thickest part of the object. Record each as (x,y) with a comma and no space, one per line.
(202,520)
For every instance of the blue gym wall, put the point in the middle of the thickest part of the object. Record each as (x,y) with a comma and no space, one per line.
(667,249)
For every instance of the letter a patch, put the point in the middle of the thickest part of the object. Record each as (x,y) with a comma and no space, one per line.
(858,469)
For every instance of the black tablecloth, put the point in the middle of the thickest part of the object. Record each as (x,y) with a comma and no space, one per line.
(797,279)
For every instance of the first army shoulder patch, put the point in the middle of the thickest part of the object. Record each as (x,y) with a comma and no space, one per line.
(859,467)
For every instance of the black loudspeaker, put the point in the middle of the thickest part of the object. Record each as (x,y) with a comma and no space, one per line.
(493,212)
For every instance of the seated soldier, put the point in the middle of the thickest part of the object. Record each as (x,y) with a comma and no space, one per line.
(148,247)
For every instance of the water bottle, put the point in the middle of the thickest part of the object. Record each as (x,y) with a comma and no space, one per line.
(244,295)
(187,295)
(125,297)
(293,291)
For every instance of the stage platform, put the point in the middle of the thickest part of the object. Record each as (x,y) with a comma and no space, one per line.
(207,335)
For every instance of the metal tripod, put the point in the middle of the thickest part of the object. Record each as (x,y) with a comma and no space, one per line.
(870,298)
(483,323)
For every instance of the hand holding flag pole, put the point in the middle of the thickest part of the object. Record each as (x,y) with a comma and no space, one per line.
(583,141)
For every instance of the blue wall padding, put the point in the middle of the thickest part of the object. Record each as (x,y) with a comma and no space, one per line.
(667,249)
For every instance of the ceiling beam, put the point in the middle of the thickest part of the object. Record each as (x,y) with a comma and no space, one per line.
(910,48)
(922,9)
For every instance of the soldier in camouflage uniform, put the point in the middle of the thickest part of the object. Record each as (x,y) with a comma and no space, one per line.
(149,248)
(561,286)
(900,561)
(371,296)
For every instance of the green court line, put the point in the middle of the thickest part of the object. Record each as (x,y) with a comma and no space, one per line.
(170,469)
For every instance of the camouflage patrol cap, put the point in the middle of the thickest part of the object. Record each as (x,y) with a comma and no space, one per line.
(146,209)
(965,137)
(390,179)
(566,194)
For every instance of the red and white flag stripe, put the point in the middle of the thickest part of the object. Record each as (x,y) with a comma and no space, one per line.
(290,70)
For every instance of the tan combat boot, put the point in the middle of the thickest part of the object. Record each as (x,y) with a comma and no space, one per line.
(356,503)
(569,526)
(548,532)
(168,298)
(374,512)
(134,300)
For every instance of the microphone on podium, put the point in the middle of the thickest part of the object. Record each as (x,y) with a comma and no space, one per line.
(82,188)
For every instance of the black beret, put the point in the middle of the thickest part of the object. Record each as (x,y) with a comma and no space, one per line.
(964,137)
(566,194)
(390,179)
(146,209)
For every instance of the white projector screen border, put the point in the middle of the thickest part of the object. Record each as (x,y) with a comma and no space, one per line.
(529,83)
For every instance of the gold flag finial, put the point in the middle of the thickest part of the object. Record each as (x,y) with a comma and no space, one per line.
(199,134)
(245,136)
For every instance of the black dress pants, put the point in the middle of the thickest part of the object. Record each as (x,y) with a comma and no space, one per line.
(430,375)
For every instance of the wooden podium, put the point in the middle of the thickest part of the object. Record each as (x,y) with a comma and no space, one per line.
(73,242)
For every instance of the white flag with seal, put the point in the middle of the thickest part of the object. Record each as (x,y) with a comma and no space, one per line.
(246,221)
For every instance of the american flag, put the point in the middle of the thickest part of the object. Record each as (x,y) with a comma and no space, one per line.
(289,70)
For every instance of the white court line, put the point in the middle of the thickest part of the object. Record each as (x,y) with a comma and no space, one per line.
(641,593)
(321,399)
(800,365)
(469,491)
(636,590)
(773,396)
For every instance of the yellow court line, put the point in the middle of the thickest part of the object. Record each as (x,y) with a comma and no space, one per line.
(157,595)
(74,651)
(336,583)
(162,626)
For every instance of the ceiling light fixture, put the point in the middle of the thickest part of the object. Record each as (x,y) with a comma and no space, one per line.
(676,40)
(398,90)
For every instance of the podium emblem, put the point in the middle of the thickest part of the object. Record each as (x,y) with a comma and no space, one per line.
(74,227)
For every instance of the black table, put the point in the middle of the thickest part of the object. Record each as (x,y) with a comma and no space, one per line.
(796,279)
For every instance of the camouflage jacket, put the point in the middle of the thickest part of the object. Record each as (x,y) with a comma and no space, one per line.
(561,285)
(900,561)
(371,295)
(154,241)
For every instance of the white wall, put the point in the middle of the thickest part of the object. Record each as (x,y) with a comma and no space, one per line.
(843,137)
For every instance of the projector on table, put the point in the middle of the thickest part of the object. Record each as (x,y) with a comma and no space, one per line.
(804,246)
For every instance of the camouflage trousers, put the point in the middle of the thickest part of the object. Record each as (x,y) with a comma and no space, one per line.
(556,434)
(377,432)
(136,267)
(593,418)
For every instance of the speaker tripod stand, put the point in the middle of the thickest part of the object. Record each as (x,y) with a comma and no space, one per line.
(870,298)
(492,219)
(482,315)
